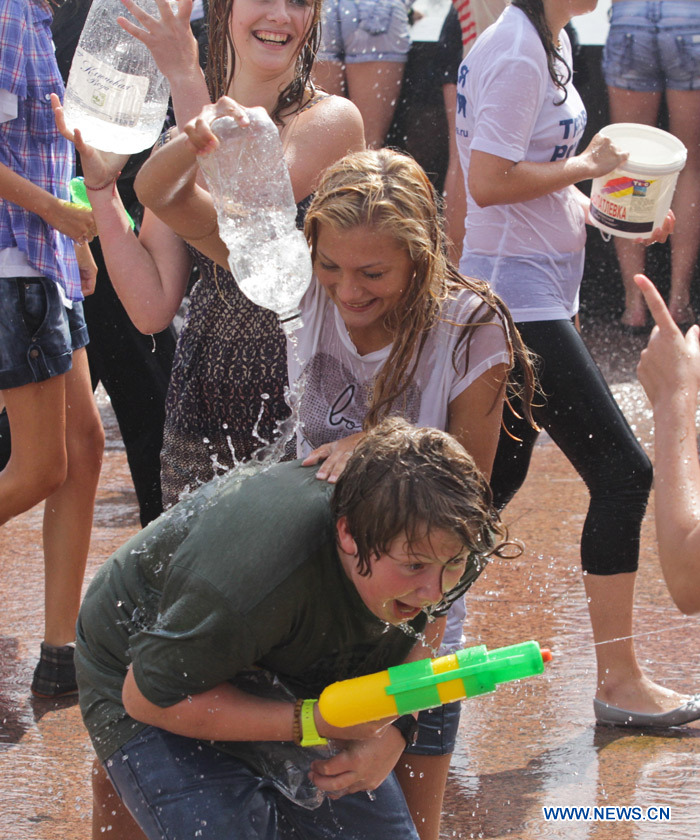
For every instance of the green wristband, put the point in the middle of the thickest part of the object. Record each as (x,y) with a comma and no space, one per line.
(309,733)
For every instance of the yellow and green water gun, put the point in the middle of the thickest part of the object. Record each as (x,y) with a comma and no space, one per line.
(428,683)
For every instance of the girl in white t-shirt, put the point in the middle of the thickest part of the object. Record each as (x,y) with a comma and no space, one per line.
(390,327)
(518,127)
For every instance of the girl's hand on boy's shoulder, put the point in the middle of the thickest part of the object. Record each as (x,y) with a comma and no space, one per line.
(360,765)
(334,455)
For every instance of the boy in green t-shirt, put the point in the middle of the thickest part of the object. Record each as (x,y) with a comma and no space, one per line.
(309,582)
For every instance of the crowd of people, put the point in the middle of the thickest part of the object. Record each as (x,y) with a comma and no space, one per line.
(425,388)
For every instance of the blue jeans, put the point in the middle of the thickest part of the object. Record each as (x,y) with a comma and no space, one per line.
(37,332)
(181,789)
(437,730)
(355,31)
(653,45)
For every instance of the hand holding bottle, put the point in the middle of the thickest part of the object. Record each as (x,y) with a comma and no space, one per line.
(98,167)
(360,765)
(199,130)
(249,183)
(115,92)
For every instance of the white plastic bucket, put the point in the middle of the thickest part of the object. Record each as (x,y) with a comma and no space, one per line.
(634,199)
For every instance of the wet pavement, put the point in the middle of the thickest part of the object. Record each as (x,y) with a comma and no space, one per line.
(527,746)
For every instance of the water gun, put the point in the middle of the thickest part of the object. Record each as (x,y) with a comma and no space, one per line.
(78,196)
(428,683)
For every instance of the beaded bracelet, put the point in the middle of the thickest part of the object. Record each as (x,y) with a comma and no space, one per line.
(297,732)
(104,186)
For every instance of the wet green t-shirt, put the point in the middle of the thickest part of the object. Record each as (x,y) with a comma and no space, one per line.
(243,573)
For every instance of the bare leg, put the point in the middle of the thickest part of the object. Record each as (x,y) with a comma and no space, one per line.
(684,122)
(640,107)
(37,465)
(620,679)
(68,511)
(374,87)
(423,779)
(330,75)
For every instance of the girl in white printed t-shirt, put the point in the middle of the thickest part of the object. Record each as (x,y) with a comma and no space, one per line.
(390,327)
(519,121)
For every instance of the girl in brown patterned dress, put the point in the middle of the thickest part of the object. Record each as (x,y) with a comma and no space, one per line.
(226,391)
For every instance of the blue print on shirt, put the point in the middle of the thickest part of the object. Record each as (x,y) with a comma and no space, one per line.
(572,129)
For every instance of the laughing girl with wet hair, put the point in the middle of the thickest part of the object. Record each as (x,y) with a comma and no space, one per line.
(392,328)
(229,351)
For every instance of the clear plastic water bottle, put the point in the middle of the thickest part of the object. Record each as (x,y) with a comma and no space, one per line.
(249,183)
(115,94)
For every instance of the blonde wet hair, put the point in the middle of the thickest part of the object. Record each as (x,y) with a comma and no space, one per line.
(389,192)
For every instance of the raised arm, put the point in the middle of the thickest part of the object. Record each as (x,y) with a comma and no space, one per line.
(669,370)
(167,183)
(174,48)
(149,272)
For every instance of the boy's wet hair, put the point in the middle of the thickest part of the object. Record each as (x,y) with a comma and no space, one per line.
(406,480)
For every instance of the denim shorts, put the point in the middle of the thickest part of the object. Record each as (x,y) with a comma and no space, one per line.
(38,334)
(179,788)
(653,45)
(356,31)
(437,730)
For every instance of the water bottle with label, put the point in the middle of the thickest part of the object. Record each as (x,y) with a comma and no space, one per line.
(249,183)
(115,94)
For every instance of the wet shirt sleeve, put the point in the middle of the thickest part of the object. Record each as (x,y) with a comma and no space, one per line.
(506,99)
(487,345)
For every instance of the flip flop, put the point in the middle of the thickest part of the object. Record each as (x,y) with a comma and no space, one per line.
(608,715)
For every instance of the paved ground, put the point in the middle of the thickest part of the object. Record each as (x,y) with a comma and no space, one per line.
(526,746)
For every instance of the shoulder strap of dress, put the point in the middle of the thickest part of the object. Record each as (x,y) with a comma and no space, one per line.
(315,99)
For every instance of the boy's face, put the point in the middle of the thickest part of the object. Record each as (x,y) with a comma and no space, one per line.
(409,577)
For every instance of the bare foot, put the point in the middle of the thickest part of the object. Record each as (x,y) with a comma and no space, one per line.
(683,315)
(634,318)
